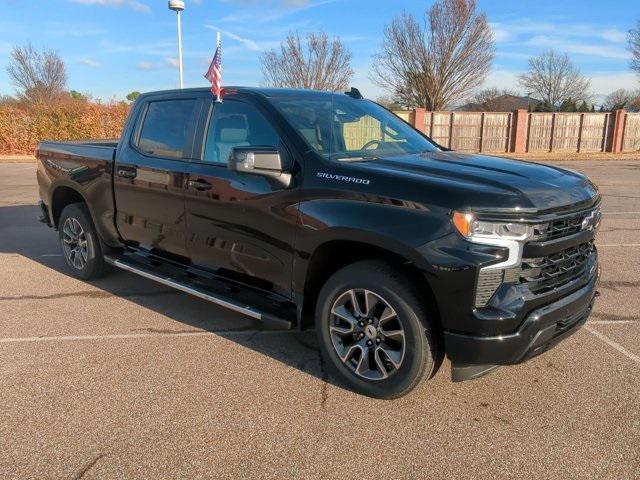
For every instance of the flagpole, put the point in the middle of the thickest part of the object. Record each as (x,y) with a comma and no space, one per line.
(178,6)
(180,51)
(218,46)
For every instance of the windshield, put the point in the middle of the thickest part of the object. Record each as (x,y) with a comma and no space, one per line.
(343,128)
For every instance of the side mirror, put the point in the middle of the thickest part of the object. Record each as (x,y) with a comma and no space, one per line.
(257,160)
(265,161)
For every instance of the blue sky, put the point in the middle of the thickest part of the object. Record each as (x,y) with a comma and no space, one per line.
(112,47)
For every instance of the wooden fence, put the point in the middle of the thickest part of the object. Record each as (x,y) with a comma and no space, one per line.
(470,131)
(522,131)
(569,132)
(631,133)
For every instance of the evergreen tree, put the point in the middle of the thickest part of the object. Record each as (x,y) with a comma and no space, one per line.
(569,105)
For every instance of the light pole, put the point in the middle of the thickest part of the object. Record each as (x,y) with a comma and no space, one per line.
(178,6)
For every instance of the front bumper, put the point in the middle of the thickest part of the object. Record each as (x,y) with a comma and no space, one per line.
(542,328)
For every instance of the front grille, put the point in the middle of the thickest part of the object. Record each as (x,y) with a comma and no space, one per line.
(555,269)
(561,227)
(546,273)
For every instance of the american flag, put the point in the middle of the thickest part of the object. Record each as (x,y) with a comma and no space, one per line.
(214,74)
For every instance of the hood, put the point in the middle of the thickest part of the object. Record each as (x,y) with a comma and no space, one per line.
(482,182)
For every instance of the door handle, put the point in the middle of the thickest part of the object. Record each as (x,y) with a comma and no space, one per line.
(126,173)
(200,185)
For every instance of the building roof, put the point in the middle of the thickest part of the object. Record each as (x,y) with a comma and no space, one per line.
(501,103)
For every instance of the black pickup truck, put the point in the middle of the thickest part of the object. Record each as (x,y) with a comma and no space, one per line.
(324,210)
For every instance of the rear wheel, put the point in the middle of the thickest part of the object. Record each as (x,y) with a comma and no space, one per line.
(79,241)
(373,330)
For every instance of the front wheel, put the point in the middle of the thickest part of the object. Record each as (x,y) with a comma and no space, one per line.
(79,241)
(374,332)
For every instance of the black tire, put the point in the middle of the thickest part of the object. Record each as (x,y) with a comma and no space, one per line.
(88,261)
(379,281)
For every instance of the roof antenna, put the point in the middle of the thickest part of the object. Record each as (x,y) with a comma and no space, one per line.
(354,93)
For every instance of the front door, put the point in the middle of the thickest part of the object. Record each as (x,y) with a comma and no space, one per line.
(239,225)
(150,176)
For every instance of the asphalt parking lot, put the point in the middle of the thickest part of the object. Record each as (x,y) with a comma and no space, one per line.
(123,378)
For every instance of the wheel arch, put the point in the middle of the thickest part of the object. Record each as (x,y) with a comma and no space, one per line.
(62,196)
(332,255)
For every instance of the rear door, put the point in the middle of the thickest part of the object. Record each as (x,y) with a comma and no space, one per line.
(240,225)
(150,175)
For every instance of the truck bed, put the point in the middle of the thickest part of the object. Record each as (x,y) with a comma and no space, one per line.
(103,150)
(79,168)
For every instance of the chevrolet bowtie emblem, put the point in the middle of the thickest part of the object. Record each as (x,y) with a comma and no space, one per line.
(591,221)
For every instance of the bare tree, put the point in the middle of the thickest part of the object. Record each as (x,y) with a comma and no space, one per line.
(438,62)
(617,99)
(622,98)
(555,79)
(319,63)
(40,76)
(634,47)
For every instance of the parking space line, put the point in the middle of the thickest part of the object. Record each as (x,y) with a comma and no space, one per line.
(613,344)
(124,336)
(612,322)
(599,245)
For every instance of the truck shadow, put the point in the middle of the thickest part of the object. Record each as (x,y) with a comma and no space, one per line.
(21,234)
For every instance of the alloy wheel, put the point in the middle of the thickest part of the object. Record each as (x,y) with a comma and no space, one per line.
(367,334)
(74,243)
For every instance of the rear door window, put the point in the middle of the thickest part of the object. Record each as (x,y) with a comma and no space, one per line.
(167,128)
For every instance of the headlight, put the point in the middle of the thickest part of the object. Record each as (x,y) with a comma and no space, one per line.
(471,228)
(509,235)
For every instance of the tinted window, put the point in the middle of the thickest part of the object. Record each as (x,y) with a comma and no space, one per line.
(236,124)
(166,127)
(341,127)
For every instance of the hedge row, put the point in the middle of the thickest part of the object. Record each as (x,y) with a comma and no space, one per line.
(22,128)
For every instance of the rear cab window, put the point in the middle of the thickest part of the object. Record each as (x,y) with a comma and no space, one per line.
(167,127)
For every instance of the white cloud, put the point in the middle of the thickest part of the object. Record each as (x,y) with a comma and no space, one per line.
(248,43)
(146,66)
(172,62)
(589,49)
(511,31)
(614,36)
(269,10)
(603,83)
(133,4)
(88,62)
(282,3)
